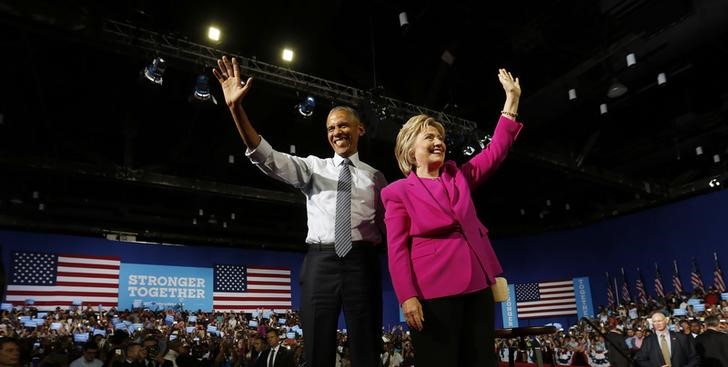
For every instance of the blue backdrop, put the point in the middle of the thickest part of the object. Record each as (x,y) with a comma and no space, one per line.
(679,231)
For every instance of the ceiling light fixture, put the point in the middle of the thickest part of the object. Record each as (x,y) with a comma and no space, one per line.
(616,89)
(287,55)
(201,92)
(154,72)
(213,33)
(306,107)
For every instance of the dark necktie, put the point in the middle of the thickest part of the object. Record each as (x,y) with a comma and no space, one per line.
(342,226)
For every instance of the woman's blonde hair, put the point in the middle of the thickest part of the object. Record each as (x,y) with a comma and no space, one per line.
(404,147)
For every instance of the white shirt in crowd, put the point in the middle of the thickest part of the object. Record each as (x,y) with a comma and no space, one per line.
(82,362)
(395,359)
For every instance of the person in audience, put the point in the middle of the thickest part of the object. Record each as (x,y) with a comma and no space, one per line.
(278,355)
(440,258)
(712,345)
(89,357)
(9,352)
(618,354)
(666,348)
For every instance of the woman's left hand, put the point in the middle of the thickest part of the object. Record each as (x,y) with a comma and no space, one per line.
(510,84)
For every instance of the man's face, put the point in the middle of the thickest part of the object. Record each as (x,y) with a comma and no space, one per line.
(659,322)
(343,133)
(272,338)
(695,327)
(258,345)
(10,354)
(90,354)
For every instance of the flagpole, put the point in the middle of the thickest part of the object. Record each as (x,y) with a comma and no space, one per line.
(616,293)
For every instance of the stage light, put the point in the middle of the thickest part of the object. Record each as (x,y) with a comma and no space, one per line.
(616,89)
(661,79)
(201,92)
(468,150)
(231,158)
(287,55)
(716,158)
(603,108)
(213,33)
(403,22)
(154,72)
(306,107)
(699,150)
(572,94)
(631,60)
(714,183)
(485,141)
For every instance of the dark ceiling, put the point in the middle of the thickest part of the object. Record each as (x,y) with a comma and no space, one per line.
(86,148)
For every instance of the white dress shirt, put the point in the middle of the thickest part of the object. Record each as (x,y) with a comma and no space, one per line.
(272,356)
(318,179)
(82,362)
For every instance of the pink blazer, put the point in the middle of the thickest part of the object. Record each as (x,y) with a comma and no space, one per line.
(431,254)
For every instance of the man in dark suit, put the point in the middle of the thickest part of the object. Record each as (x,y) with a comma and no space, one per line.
(278,355)
(712,345)
(666,348)
(617,351)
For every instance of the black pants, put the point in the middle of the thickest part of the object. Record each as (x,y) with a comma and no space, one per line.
(458,331)
(329,283)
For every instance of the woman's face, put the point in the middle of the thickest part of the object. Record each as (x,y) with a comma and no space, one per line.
(429,148)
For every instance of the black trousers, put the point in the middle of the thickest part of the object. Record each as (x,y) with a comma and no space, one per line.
(458,331)
(330,283)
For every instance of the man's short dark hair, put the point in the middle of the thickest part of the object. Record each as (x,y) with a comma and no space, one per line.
(712,321)
(4,341)
(90,345)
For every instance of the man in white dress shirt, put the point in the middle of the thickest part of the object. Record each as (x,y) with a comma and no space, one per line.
(89,357)
(341,268)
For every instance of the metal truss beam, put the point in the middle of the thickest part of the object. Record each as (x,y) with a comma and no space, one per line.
(177,48)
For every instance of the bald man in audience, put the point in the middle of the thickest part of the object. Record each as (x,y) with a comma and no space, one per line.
(712,345)
(666,348)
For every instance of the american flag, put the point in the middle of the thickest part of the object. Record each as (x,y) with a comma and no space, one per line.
(52,280)
(241,288)
(718,282)
(641,291)
(626,296)
(695,278)
(545,299)
(610,292)
(659,289)
(676,283)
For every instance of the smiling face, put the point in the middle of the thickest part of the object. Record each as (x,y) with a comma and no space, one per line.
(343,131)
(429,150)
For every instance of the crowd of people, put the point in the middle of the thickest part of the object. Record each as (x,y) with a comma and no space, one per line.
(618,334)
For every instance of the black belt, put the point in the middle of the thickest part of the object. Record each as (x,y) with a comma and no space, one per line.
(330,246)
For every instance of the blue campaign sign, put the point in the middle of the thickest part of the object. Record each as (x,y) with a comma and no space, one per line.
(582,291)
(509,310)
(167,286)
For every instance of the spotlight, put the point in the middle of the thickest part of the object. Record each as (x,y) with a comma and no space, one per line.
(661,79)
(631,60)
(306,107)
(603,108)
(287,55)
(154,71)
(468,150)
(572,94)
(213,33)
(403,21)
(617,89)
(201,92)
(714,183)
(485,141)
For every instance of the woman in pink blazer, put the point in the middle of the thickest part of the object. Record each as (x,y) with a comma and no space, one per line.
(440,259)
